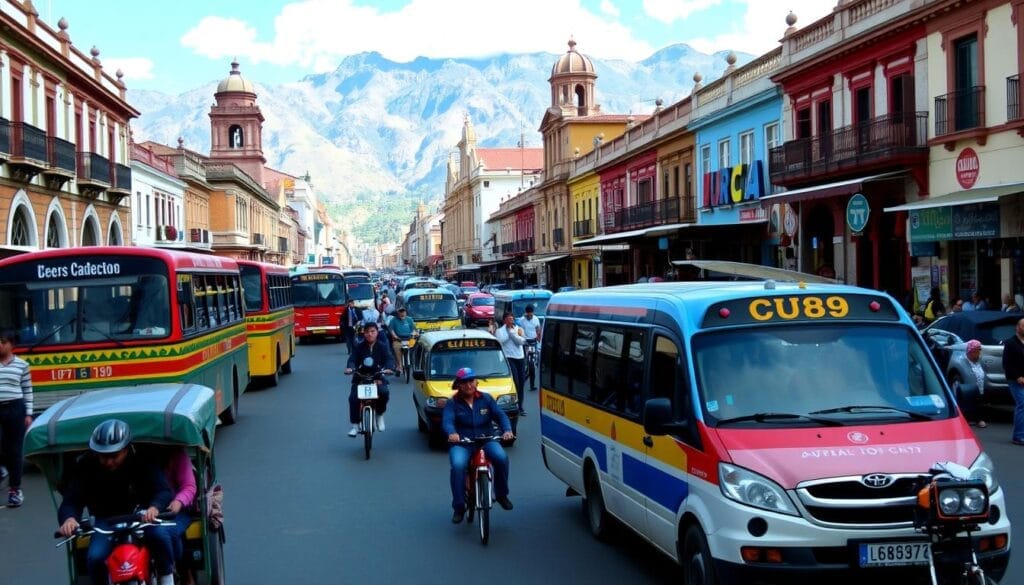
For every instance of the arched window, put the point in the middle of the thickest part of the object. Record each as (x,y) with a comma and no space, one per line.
(114,237)
(236,137)
(90,237)
(21,234)
(53,231)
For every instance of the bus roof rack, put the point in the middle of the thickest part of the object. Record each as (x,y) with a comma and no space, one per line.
(726,270)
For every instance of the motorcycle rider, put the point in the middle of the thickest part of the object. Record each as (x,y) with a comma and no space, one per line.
(530,324)
(112,480)
(381,354)
(401,327)
(471,413)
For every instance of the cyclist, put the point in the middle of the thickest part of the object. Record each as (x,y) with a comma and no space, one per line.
(401,327)
(380,353)
(111,480)
(471,413)
(530,324)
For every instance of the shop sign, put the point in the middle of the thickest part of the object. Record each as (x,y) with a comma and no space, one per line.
(730,186)
(964,222)
(857,213)
(967,168)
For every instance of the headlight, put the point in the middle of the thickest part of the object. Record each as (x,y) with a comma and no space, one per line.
(507,400)
(956,501)
(436,402)
(751,489)
(985,470)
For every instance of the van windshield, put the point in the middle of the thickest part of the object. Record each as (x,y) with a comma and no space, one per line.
(853,374)
(421,309)
(360,292)
(540,307)
(486,363)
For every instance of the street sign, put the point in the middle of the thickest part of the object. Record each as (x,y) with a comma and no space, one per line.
(967,168)
(857,212)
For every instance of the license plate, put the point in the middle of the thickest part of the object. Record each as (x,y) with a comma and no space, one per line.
(366,391)
(894,554)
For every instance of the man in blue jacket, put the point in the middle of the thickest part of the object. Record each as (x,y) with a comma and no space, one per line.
(471,413)
(381,354)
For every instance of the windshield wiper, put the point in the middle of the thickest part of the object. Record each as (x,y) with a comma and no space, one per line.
(91,327)
(779,416)
(49,335)
(869,407)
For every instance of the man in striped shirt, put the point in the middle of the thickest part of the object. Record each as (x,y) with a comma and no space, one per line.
(15,412)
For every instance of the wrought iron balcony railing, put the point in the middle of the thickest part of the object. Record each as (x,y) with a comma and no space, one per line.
(651,213)
(963,109)
(582,227)
(27,142)
(60,154)
(1013,109)
(93,167)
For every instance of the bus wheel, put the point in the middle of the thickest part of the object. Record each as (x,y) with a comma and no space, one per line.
(287,367)
(275,378)
(698,568)
(230,414)
(598,519)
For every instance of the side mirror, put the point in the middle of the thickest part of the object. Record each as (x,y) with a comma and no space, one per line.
(657,416)
(419,375)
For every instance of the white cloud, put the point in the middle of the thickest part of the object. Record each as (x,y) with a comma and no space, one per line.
(763,25)
(669,11)
(607,7)
(132,67)
(316,34)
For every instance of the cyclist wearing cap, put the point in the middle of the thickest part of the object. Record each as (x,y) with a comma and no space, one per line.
(530,325)
(111,480)
(401,327)
(471,413)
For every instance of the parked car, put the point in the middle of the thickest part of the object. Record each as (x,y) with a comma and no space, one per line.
(566,288)
(947,339)
(479,309)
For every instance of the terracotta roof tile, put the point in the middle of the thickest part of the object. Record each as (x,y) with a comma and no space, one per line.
(511,158)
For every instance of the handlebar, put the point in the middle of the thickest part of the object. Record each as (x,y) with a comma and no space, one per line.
(134,521)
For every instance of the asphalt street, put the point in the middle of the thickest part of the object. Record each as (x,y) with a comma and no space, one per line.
(302,504)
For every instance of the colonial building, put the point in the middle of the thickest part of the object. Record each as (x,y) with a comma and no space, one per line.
(158,201)
(190,167)
(64,139)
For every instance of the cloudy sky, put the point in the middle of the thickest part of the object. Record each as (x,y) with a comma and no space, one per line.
(179,45)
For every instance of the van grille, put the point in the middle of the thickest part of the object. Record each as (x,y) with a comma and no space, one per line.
(848,503)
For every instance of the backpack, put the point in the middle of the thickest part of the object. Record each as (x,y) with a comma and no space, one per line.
(928,312)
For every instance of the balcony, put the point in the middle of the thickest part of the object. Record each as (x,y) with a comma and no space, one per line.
(28,151)
(582,228)
(5,139)
(652,213)
(1013,109)
(885,141)
(122,186)
(960,111)
(60,154)
(523,246)
(93,174)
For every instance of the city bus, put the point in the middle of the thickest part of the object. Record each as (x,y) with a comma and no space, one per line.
(433,309)
(758,431)
(318,296)
(94,317)
(269,319)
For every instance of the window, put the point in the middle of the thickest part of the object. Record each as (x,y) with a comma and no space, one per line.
(688,181)
(663,370)
(53,232)
(644,191)
(138,208)
(747,148)
(149,221)
(803,123)
(581,361)
(723,154)
(487,184)
(901,95)
(771,135)
(967,101)
(609,368)
(705,159)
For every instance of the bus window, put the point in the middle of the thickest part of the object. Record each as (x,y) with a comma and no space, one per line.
(562,381)
(253,290)
(633,384)
(609,367)
(581,364)
(663,370)
(188,317)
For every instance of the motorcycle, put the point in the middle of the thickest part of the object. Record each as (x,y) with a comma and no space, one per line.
(368,377)
(129,562)
(951,504)
(407,344)
(531,363)
(480,484)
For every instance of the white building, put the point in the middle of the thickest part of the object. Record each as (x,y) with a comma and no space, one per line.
(157,201)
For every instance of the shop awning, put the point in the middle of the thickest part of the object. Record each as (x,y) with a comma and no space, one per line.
(435,259)
(468,267)
(546,257)
(978,195)
(847,187)
(659,230)
(723,269)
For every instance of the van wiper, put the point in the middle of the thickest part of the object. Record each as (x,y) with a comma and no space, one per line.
(779,416)
(873,407)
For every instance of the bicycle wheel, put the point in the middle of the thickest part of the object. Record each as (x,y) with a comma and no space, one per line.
(405,365)
(367,429)
(483,496)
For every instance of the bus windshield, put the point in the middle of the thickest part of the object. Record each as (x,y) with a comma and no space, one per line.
(540,307)
(873,372)
(430,309)
(486,363)
(360,291)
(98,310)
(327,292)
(252,284)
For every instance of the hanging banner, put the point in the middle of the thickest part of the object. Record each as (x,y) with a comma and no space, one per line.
(962,222)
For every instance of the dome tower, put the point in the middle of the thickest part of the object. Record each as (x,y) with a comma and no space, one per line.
(572,83)
(236,125)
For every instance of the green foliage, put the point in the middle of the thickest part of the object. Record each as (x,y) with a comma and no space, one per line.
(376,218)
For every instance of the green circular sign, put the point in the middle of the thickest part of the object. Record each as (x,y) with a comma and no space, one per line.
(857,212)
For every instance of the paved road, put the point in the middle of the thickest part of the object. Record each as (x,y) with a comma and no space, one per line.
(303,506)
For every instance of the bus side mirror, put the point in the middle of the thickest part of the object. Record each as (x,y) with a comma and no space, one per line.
(658,417)
(419,375)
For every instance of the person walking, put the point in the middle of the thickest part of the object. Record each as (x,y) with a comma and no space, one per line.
(350,319)
(15,413)
(972,400)
(1013,367)
(512,341)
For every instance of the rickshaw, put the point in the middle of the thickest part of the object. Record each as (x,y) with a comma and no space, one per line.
(160,415)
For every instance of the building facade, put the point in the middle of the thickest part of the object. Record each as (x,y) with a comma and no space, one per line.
(158,201)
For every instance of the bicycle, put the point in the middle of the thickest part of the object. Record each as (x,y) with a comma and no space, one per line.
(480,485)
(531,363)
(368,377)
(407,343)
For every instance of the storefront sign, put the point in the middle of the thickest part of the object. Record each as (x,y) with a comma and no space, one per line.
(729,186)
(857,213)
(967,168)
(964,222)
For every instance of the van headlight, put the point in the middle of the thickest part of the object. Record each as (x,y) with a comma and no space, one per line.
(507,400)
(985,470)
(752,489)
(433,402)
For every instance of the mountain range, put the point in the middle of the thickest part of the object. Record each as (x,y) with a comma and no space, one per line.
(375,127)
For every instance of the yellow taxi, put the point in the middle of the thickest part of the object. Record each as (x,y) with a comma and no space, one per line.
(435,359)
(433,309)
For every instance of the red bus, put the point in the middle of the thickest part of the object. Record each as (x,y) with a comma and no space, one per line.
(318,296)
(95,317)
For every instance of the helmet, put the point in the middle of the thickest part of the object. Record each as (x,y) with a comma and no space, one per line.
(464,375)
(110,436)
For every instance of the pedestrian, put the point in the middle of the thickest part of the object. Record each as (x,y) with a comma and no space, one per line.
(1013,367)
(933,308)
(957,306)
(350,318)
(972,400)
(512,341)
(975,303)
(15,413)
(1010,304)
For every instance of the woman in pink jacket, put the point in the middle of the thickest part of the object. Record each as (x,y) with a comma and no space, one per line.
(182,479)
